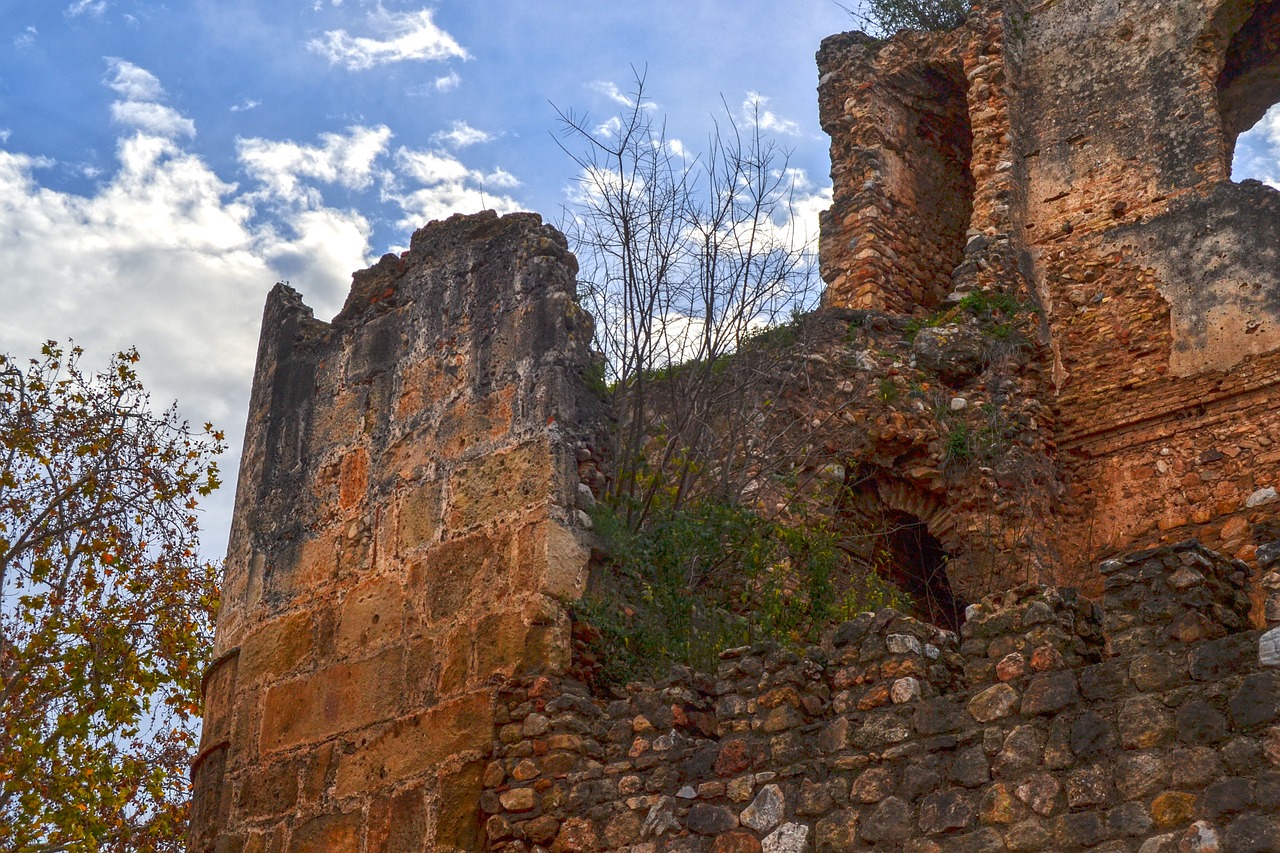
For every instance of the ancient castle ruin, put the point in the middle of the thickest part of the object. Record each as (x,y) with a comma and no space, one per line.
(1037,255)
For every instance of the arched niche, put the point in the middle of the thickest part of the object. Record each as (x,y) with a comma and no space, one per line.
(1244,38)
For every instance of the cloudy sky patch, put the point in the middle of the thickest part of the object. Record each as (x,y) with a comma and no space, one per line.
(230,144)
(397,37)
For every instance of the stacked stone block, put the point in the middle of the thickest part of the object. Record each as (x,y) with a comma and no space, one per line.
(1136,750)
(1182,593)
(1031,628)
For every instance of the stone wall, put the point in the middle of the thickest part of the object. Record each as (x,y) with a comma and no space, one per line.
(1101,197)
(1032,730)
(405,529)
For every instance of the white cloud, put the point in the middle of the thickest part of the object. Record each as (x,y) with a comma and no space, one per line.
(460,135)
(1258,151)
(612,92)
(92,8)
(609,128)
(245,105)
(5,133)
(447,83)
(152,118)
(754,108)
(26,38)
(399,37)
(445,186)
(131,81)
(344,159)
(166,254)
(140,108)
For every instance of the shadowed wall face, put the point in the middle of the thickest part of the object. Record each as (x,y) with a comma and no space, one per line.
(403,532)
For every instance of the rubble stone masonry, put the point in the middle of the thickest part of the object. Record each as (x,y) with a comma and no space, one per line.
(1149,724)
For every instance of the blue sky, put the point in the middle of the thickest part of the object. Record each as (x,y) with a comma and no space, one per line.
(163,164)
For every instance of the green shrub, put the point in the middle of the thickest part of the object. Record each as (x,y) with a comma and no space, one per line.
(959,443)
(887,17)
(887,389)
(711,576)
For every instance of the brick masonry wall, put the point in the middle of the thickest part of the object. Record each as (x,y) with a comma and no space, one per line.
(1031,731)
(1102,134)
(404,530)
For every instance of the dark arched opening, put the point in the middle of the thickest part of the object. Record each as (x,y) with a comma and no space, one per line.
(1249,83)
(916,561)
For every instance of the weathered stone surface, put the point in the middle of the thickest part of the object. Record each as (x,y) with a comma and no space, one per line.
(953,352)
(1257,702)
(788,838)
(838,832)
(1172,808)
(993,703)
(1043,793)
(1253,834)
(766,810)
(706,819)
(324,833)
(1049,694)
(890,821)
(343,696)
(417,744)
(446,395)
(1141,775)
(946,811)
(1144,723)
(730,842)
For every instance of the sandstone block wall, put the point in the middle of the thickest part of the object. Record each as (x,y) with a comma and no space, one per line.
(405,529)
(1031,731)
(1102,135)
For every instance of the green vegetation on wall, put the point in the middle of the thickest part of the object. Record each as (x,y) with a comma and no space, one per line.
(713,575)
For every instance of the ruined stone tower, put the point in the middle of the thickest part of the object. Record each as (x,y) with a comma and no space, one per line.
(1077,154)
(393,666)
(403,531)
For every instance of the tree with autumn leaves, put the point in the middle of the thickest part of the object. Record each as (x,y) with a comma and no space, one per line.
(105,606)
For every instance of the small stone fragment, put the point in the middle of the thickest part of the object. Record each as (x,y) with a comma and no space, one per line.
(740,789)
(1269,648)
(536,725)
(1049,694)
(1042,793)
(838,831)
(788,838)
(518,799)
(735,842)
(905,690)
(1172,808)
(902,644)
(706,819)
(1262,496)
(766,811)
(993,703)
(1185,578)
(891,821)
(1012,666)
